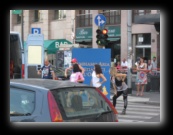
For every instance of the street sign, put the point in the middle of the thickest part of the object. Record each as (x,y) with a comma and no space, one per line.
(100,20)
(35,30)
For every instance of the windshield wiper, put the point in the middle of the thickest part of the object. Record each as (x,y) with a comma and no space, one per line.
(19,114)
(100,114)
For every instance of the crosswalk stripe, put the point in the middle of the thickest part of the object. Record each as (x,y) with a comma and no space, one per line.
(141,113)
(136,112)
(139,109)
(125,120)
(140,106)
(132,116)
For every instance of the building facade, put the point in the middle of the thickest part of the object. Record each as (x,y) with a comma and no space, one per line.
(78,26)
(54,24)
(145,40)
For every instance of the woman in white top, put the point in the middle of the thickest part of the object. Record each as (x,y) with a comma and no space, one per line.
(76,76)
(97,77)
(124,63)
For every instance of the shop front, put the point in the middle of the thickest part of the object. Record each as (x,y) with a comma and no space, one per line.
(84,36)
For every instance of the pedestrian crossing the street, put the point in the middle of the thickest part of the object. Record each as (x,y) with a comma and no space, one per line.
(136,112)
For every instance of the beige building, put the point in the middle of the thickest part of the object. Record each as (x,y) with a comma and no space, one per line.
(60,25)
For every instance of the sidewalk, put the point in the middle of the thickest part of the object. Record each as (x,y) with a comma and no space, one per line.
(147,98)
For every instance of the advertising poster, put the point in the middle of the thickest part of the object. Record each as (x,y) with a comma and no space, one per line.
(67,58)
(88,57)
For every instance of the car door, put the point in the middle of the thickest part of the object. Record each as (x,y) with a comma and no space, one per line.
(26,105)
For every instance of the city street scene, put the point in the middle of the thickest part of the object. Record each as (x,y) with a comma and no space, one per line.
(85,66)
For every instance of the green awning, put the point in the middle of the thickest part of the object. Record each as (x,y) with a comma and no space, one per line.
(51,46)
(16,11)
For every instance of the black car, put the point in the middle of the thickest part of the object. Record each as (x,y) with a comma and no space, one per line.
(46,100)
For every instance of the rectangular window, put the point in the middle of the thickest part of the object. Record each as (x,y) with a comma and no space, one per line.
(112,16)
(141,12)
(143,39)
(22,102)
(36,15)
(143,52)
(84,19)
(59,14)
(77,102)
(18,19)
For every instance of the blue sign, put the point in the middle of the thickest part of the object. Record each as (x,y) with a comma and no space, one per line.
(100,20)
(35,30)
(87,61)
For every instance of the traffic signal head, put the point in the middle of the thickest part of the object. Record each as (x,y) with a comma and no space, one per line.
(105,31)
(102,37)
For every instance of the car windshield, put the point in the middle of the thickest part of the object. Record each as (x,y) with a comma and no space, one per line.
(76,102)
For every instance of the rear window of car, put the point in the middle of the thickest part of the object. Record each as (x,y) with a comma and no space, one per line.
(22,102)
(76,102)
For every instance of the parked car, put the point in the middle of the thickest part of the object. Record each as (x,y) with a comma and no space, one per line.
(60,73)
(46,100)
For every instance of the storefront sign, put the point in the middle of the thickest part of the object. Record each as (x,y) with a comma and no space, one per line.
(83,33)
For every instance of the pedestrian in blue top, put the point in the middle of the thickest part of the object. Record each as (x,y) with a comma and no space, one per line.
(48,73)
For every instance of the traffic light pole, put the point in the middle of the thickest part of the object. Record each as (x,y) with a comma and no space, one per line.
(129,49)
(22,32)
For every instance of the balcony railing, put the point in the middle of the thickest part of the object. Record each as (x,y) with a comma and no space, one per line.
(112,18)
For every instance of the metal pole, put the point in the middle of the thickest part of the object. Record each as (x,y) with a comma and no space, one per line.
(22,34)
(73,31)
(129,49)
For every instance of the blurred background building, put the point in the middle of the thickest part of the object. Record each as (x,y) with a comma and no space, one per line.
(78,27)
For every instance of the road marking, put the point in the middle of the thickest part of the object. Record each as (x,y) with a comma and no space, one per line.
(132,116)
(141,113)
(125,120)
(139,106)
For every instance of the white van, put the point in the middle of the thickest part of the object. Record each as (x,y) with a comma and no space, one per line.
(16,56)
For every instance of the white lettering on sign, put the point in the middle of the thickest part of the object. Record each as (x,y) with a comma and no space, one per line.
(57,44)
(82,32)
(111,31)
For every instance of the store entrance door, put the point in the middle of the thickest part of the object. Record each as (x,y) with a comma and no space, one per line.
(143,52)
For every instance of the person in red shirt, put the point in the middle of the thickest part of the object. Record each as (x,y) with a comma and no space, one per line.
(74,61)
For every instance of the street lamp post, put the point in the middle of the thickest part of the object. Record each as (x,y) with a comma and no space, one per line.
(22,33)
(129,49)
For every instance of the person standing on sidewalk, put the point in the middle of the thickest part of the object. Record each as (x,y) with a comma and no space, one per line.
(154,65)
(141,77)
(48,73)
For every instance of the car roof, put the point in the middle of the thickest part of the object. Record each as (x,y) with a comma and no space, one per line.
(44,83)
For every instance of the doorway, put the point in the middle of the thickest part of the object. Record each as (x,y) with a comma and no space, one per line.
(143,52)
